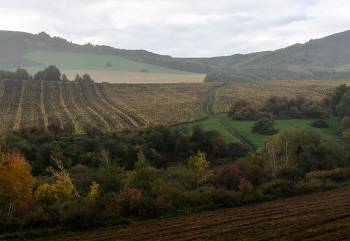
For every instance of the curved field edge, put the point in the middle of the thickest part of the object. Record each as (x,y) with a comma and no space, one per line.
(79,61)
(320,216)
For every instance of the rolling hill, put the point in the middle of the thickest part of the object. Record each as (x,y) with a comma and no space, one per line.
(316,59)
(15,45)
(331,51)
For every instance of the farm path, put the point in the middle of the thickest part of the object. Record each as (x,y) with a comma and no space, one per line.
(320,216)
(208,109)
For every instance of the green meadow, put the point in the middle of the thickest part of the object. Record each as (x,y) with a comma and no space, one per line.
(79,61)
(258,140)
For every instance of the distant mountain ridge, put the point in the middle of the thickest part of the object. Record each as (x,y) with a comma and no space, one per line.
(328,52)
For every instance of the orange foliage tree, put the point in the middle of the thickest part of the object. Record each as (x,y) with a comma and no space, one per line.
(17,180)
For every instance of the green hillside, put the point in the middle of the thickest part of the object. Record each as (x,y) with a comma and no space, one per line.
(331,51)
(79,61)
(14,45)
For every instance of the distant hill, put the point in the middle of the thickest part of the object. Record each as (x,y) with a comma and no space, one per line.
(315,59)
(331,51)
(14,45)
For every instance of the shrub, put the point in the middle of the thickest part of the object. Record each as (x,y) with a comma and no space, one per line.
(250,112)
(236,104)
(290,173)
(264,126)
(319,124)
(344,124)
(279,187)
(129,202)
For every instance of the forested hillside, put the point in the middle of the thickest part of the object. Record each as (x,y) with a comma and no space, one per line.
(14,45)
(331,51)
(286,72)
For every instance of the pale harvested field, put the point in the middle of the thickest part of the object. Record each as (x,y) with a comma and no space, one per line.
(259,91)
(112,76)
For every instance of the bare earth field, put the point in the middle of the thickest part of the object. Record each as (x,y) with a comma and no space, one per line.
(112,76)
(321,216)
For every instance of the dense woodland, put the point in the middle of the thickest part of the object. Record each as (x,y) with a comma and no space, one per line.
(51,178)
(329,52)
(275,73)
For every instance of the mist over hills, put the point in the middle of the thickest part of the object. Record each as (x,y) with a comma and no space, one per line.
(325,53)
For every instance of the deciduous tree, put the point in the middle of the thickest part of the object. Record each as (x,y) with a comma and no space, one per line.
(199,167)
(17,180)
(52,73)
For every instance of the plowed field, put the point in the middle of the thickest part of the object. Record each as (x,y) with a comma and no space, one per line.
(107,106)
(321,216)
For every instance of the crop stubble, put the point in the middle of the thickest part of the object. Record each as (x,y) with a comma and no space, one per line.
(259,91)
(107,106)
(122,106)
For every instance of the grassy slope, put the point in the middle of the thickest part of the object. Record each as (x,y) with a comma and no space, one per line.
(210,124)
(257,139)
(78,61)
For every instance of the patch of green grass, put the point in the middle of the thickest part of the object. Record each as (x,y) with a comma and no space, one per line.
(79,61)
(210,124)
(258,140)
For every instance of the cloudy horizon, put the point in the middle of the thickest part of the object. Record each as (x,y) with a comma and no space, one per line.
(180,28)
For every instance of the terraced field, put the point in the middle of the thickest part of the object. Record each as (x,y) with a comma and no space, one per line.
(321,216)
(107,106)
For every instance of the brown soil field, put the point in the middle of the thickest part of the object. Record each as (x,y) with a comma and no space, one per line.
(259,91)
(321,216)
(112,76)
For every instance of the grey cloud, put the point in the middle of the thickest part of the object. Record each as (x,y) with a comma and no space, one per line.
(181,27)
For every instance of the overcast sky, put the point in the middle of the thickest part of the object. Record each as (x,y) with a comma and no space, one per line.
(180,28)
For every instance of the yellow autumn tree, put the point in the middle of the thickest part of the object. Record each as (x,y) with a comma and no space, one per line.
(199,168)
(47,193)
(64,183)
(94,188)
(17,180)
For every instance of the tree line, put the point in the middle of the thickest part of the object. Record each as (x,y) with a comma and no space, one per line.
(51,73)
(275,73)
